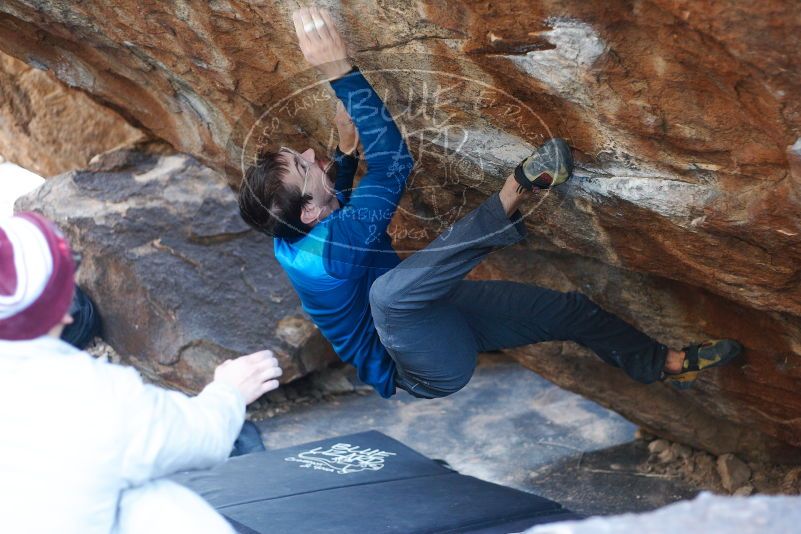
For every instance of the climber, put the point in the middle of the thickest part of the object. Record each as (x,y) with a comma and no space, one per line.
(417,324)
(86,443)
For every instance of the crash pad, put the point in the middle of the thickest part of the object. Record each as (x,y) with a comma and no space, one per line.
(366,482)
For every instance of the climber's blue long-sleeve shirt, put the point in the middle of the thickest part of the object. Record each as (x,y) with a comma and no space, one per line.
(334,265)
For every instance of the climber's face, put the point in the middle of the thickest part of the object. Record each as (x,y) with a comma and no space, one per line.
(314,177)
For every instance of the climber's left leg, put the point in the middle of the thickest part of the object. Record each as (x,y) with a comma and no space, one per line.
(510,314)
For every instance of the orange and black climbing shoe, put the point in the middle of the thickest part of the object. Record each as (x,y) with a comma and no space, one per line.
(700,357)
(550,165)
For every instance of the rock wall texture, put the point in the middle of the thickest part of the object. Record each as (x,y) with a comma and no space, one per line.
(684,116)
(49,128)
(181,282)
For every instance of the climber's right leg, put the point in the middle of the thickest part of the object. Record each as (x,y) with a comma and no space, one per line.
(431,343)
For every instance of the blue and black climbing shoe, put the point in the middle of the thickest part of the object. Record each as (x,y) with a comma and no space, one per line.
(702,356)
(550,165)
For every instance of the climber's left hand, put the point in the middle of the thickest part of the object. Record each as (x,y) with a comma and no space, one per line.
(320,42)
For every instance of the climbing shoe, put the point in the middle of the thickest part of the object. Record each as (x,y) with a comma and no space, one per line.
(700,357)
(550,165)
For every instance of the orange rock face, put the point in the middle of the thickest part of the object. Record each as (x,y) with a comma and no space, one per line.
(684,117)
(49,128)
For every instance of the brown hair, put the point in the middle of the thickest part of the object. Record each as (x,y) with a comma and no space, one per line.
(268,204)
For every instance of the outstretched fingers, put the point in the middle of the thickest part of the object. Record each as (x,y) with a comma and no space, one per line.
(320,42)
(271,372)
(260,356)
(266,371)
(309,26)
(331,28)
(320,25)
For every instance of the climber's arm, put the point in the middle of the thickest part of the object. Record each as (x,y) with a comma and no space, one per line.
(346,156)
(320,42)
(354,229)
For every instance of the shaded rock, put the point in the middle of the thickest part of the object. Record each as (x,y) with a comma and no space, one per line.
(734,473)
(658,446)
(704,471)
(181,282)
(332,382)
(681,451)
(50,128)
(699,469)
(706,514)
(100,349)
(747,407)
(684,116)
(792,481)
(276,396)
(743,491)
(301,337)
(667,455)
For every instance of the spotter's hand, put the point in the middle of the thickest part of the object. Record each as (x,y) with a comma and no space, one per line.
(253,375)
(320,42)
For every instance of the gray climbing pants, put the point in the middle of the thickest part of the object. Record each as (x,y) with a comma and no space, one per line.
(434,323)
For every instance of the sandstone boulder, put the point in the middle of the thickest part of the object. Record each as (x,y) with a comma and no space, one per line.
(181,282)
(49,128)
(684,117)
(734,473)
(746,408)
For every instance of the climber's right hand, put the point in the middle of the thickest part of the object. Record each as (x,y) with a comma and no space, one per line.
(320,42)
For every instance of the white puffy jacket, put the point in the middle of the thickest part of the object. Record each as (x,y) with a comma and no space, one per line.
(75,432)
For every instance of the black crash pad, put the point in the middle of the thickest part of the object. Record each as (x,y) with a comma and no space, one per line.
(365,482)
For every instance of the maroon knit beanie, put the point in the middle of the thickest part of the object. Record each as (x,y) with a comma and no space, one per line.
(37,276)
